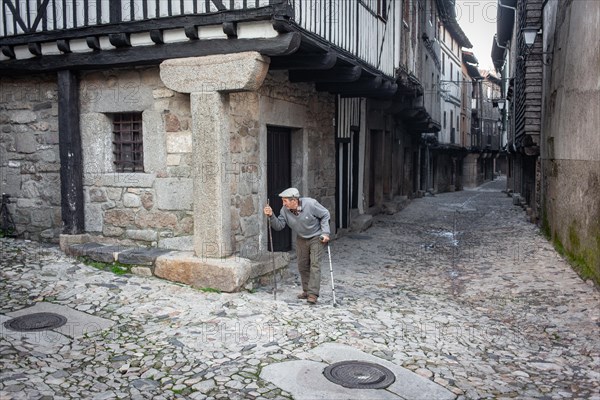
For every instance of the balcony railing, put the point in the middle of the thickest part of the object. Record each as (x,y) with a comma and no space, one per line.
(31,16)
(366,29)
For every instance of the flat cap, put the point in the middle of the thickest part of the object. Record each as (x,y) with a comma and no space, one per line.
(291,192)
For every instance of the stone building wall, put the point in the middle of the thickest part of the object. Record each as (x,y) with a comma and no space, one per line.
(153,208)
(310,115)
(570,164)
(29,156)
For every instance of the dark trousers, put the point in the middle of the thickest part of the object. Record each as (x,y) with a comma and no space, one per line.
(309,252)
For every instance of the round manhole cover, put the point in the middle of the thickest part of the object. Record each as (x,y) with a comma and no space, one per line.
(359,375)
(35,322)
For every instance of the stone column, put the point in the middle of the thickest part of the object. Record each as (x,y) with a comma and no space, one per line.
(209,79)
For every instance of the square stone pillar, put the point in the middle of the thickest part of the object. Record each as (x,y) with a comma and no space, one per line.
(209,79)
(210,148)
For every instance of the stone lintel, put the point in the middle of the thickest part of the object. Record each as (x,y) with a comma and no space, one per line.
(225,73)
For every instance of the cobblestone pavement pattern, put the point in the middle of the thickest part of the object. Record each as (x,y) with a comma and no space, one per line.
(458,288)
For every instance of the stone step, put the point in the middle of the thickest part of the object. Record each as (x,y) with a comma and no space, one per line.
(229,274)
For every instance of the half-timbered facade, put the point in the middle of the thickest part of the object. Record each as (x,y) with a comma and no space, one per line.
(171,123)
(444,150)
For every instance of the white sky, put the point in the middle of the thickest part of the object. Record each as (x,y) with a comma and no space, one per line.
(477,18)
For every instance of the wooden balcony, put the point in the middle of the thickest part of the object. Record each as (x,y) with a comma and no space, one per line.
(348,46)
(18,17)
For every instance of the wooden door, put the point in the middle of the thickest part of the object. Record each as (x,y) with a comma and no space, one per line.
(278,179)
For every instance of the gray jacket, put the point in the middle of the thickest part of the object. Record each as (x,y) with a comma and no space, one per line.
(312,219)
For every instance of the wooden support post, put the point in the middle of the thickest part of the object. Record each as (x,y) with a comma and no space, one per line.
(71,163)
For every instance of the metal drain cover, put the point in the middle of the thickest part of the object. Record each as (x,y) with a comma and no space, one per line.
(35,322)
(359,375)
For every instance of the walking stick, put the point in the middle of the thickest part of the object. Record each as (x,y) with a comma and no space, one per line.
(331,273)
(272,256)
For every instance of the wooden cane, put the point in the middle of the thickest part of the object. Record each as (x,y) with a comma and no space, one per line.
(272,255)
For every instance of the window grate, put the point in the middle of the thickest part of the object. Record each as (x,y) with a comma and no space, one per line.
(127,142)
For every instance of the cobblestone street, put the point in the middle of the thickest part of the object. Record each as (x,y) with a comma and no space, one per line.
(457,287)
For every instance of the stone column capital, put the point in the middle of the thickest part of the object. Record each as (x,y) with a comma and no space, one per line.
(225,73)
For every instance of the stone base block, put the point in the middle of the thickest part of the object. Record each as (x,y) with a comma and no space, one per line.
(228,274)
(65,241)
(142,271)
(392,207)
(361,223)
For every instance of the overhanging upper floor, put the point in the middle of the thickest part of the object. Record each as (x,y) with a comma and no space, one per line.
(334,43)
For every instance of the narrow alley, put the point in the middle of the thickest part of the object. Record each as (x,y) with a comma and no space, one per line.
(458,288)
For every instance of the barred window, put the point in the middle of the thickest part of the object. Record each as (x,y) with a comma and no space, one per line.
(127,142)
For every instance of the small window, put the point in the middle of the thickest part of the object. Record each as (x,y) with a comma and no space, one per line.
(444,119)
(127,142)
(443,63)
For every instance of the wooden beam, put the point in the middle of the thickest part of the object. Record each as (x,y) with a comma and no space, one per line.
(157,36)
(247,15)
(361,85)
(386,91)
(119,40)
(191,32)
(115,12)
(149,55)
(71,163)
(93,42)
(64,46)
(305,61)
(35,49)
(41,14)
(219,4)
(366,87)
(336,74)
(230,29)
(8,51)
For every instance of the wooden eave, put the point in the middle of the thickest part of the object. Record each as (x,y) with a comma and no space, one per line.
(447,15)
(307,57)
(419,120)
(127,55)
(450,148)
(163,23)
(332,69)
(152,55)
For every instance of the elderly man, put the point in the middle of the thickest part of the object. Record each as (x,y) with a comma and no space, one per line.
(310,220)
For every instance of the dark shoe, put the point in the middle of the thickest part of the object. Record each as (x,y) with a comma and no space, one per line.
(303,295)
(312,299)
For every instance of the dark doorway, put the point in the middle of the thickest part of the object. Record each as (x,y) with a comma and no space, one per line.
(347,163)
(375,165)
(415,172)
(278,179)
(343,181)
(387,164)
(355,165)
